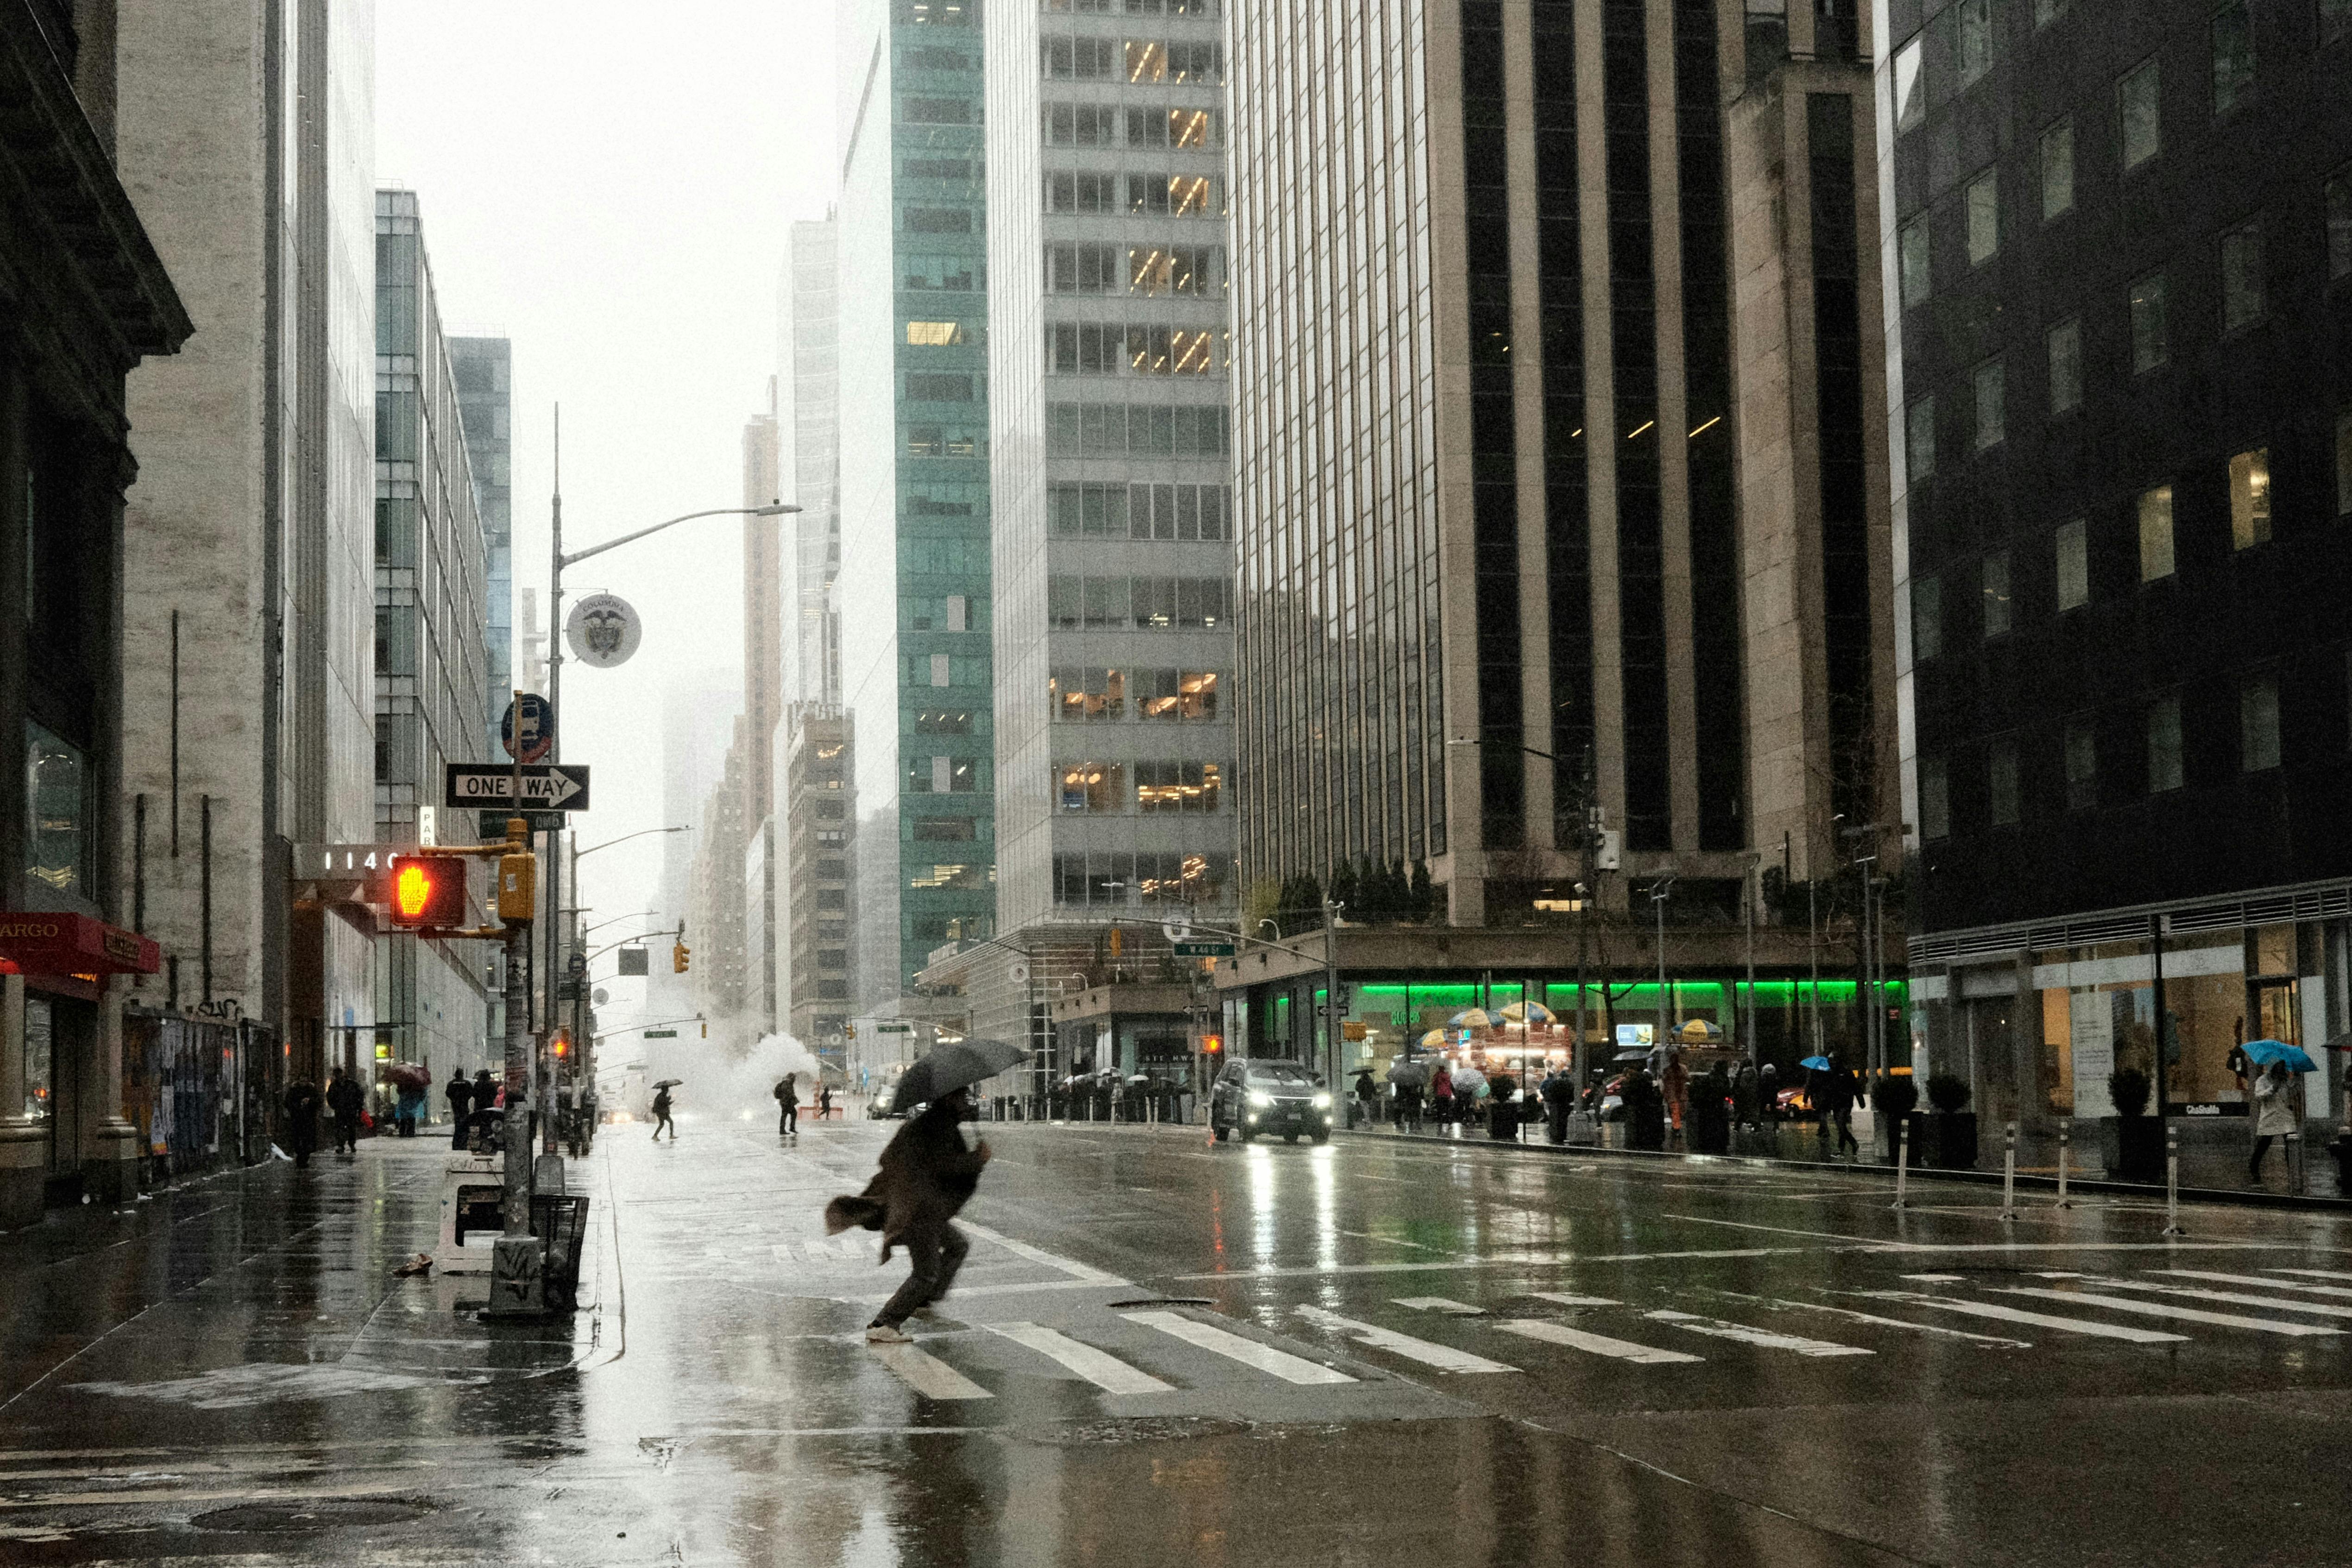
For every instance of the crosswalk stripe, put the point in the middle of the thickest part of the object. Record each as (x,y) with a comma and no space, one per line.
(1764,1339)
(1234,1347)
(927,1375)
(1937,1330)
(1103,1370)
(1440,1304)
(2314,1273)
(1444,1358)
(1562,1298)
(2267,1281)
(2038,1320)
(2234,1298)
(2162,1310)
(1597,1344)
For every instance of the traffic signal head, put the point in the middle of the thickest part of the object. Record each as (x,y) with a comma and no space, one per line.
(517,887)
(428,893)
(560,1045)
(678,958)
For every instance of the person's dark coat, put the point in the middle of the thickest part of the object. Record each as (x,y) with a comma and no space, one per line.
(928,1174)
(460,1094)
(345,1097)
(302,1116)
(1645,1110)
(1840,1092)
(1710,1112)
(1746,1093)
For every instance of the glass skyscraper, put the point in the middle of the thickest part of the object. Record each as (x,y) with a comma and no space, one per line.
(483,370)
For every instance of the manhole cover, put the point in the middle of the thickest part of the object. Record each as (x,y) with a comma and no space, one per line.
(311,1513)
(1139,1429)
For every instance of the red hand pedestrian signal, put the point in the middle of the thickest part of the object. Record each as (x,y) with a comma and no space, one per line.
(428,893)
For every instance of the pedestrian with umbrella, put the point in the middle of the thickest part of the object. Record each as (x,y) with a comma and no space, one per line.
(662,1109)
(1406,1081)
(927,1175)
(2273,1064)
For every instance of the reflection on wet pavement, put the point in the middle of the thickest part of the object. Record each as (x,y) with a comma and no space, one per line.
(1166,1350)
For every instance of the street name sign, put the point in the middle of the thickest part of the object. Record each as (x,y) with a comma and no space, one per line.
(894,1029)
(661,1034)
(490,826)
(1203,947)
(550,786)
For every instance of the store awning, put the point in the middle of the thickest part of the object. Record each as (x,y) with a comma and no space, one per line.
(40,943)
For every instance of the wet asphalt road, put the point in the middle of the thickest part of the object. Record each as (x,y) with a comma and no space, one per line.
(1165,1350)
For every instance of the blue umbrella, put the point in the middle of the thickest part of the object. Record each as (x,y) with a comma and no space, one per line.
(1819,1064)
(2261,1053)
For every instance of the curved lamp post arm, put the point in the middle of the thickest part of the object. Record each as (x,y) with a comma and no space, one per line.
(574,557)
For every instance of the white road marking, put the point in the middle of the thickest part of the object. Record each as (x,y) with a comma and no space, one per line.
(2315,1273)
(1597,1344)
(1764,1339)
(1527,1260)
(1392,1240)
(1561,1297)
(1440,1304)
(1068,1266)
(2038,1320)
(2266,1281)
(1234,1347)
(2159,1310)
(1444,1358)
(966,1292)
(927,1375)
(1103,1370)
(1936,1329)
(2232,1298)
(1938,1279)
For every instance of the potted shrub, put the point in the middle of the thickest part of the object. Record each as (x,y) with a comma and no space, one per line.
(1952,1140)
(2138,1151)
(1892,1100)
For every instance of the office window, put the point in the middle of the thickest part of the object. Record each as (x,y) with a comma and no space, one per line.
(1976,39)
(2136,104)
(2344,465)
(2258,723)
(2058,170)
(1935,800)
(1082,193)
(1080,59)
(2242,277)
(934,334)
(1920,440)
(2074,573)
(2151,343)
(1093,787)
(2249,498)
(2065,342)
(1984,218)
(938,388)
(1176,696)
(2155,533)
(936,110)
(1084,694)
(2002,777)
(1997,613)
(1182,128)
(1911,249)
(1198,269)
(1082,268)
(939,670)
(1910,97)
(2164,771)
(2233,59)
(1991,398)
(1927,618)
(2082,765)
(1179,786)
(2339,224)
(938,220)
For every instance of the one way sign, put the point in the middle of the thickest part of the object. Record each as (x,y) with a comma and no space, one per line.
(549,786)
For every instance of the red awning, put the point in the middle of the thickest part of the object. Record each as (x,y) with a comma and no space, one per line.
(44,944)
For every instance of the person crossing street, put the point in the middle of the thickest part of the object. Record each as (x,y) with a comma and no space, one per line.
(788,1107)
(345,1098)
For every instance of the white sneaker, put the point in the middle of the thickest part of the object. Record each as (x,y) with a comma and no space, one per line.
(884,1335)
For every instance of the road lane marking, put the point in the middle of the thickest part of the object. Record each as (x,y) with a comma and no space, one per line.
(1764,1339)
(1103,1370)
(2315,1273)
(1562,1298)
(1234,1347)
(927,1375)
(1444,1358)
(1938,1279)
(2038,1320)
(1936,1329)
(1440,1304)
(1068,1266)
(1533,1260)
(2160,1310)
(1550,1332)
(2230,1298)
(2267,1282)
(1784,1230)
(1392,1240)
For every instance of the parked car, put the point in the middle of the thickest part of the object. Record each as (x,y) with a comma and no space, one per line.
(1269,1095)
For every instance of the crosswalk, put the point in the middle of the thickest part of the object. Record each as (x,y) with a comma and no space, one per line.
(1111,1348)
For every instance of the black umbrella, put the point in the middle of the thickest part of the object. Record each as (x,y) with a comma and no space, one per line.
(670,1083)
(951,1068)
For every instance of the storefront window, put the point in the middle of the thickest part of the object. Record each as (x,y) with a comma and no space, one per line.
(2204,1016)
(61,828)
(40,1054)
(2098,1018)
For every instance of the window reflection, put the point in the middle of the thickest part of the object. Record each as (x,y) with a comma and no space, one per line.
(62,825)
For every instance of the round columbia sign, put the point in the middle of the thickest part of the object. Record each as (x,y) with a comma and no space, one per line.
(602,631)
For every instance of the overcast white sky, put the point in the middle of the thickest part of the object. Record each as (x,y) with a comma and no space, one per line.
(607,182)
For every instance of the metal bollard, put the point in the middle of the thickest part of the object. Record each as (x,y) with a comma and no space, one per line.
(2172,1180)
(1902,1167)
(2065,1126)
(2294,1163)
(2009,1173)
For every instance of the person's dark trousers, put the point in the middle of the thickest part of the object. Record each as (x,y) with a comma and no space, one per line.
(2261,1147)
(1845,1132)
(937,1255)
(788,1124)
(1556,1123)
(459,1130)
(347,1133)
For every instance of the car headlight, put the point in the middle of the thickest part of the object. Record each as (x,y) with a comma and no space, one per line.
(1260,1099)
(1323,1101)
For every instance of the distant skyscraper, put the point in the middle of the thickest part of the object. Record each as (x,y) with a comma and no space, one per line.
(698,716)
(764,541)
(914,463)
(484,369)
(808,416)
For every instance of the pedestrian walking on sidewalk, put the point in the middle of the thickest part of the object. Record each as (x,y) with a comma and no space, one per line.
(460,1095)
(926,1177)
(1367,1098)
(1675,1083)
(345,1098)
(1841,1090)
(2274,1115)
(661,1114)
(788,1107)
(1558,1093)
(1441,1094)
(823,1100)
(1747,1096)
(302,1121)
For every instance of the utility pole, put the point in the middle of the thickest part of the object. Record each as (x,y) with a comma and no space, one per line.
(1749,892)
(1658,903)
(1331,991)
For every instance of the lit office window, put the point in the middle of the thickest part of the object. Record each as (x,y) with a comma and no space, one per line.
(2249,498)
(2065,342)
(2074,564)
(2242,278)
(2165,769)
(2258,723)
(1920,440)
(1992,396)
(2136,98)
(1911,252)
(2155,533)
(1984,218)
(1997,610)
(2151,340)
(2058,170)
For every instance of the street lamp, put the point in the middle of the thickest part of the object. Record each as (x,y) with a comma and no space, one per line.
(1658,903)
(623,838)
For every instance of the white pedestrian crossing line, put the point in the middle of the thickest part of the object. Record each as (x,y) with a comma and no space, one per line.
(1104,1371)
(2163,1310)
(1069,1266)
(927,1375)
(1562,1298)
(2038,1320)
(1550,1332)
(2266,1281)
(2312,1273)
(1444,1358)
(1936,1330)
(2230,1298)
(1763,1339)
(1938,1278)
(1234,1347)
(1440,1304)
